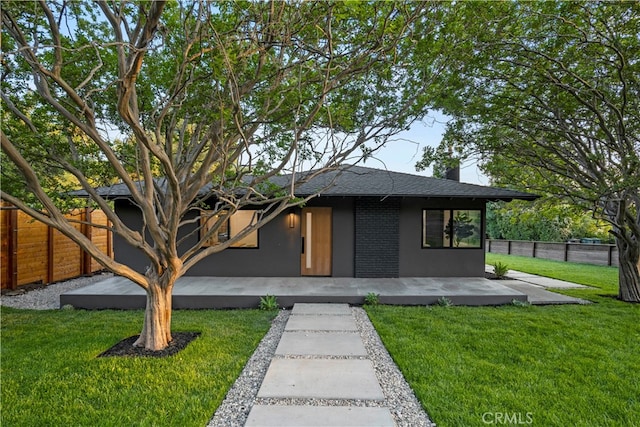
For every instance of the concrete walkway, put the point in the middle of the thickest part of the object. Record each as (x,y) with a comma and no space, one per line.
(536,288)
(320,358)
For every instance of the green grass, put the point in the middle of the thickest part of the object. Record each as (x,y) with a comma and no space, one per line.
(605,279)
(50,374)
(558,365)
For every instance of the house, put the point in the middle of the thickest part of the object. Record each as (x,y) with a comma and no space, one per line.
(368,223)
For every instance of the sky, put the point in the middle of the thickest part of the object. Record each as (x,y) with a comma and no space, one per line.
(405,150)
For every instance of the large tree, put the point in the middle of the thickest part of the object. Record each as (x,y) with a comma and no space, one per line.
(172,98)
(548,93)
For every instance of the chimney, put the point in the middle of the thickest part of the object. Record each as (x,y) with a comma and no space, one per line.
(453,172)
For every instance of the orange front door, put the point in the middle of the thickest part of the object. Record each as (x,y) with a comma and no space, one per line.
(316,242)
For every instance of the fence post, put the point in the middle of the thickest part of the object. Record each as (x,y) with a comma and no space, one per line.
(85,217)
(610,256)
(534,249)
(50,249)
(12,248)
(509,247)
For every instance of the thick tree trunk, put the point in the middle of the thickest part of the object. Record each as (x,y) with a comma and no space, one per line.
(629,272)
(156,329)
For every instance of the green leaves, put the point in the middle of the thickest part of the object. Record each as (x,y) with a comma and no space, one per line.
(547,220)
(546,94)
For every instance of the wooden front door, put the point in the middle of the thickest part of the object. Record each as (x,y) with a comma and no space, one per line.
(316,242)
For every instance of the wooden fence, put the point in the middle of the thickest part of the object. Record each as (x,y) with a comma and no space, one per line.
(574,252)
(32,252)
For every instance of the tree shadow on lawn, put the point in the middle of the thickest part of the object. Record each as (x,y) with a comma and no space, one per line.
(125,348)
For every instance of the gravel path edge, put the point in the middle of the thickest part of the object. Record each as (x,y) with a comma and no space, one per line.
(399,397)
(48,297)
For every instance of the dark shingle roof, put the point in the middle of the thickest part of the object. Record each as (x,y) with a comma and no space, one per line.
(362,181)
(354,181)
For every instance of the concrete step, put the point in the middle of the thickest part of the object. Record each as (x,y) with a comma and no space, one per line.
(321,344)
(321,323)
(321,379)
(309,308)
(318,416)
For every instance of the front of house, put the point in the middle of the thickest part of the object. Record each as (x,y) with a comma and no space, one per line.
(369,223)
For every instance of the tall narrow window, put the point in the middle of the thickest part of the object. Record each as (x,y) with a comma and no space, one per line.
(451,228)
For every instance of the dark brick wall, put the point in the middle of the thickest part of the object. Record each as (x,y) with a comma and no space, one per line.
(377,228)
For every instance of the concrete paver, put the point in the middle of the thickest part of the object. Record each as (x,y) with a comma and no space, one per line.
(321,344)
(535,287)
(545,282)
(318,416)
(321,323)
(309,308)
(537,295)
(321,379)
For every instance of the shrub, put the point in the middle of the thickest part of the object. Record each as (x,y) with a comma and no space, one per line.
(372,299)
(518,303)
(268,303)
(444,302)
(500,269)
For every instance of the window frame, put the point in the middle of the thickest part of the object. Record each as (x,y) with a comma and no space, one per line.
(204,218)
(451,213)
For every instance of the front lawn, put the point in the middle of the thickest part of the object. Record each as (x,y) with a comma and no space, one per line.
(50,374)
(537,365)
(605,278)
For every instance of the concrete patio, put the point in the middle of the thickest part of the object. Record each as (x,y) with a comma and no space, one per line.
(193,292)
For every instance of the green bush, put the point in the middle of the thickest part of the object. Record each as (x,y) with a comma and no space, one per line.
(500,269)
(372,299)
(268,303)
(444,302)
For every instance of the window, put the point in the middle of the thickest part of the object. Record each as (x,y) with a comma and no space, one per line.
(230,228)
(451,228)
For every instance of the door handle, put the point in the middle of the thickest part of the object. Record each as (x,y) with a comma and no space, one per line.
(303,245)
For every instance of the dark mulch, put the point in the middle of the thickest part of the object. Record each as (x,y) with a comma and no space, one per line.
(492,276)
(126,348)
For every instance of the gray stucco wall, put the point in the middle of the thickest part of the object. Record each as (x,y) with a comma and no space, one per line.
(277,255)
(279,248)
(278,252)
(416,261)
(122,252)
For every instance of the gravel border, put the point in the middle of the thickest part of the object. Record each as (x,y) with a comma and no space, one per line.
(234,409)
(48,297)
(399,397)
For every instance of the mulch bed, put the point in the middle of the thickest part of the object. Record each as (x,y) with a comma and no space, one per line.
(492,276)
(125,347)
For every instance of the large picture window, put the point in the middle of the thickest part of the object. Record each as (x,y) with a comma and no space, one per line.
(451,228)
(230,228)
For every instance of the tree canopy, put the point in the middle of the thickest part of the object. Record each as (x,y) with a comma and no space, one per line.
(169,98)
(545,220)
(547,94)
